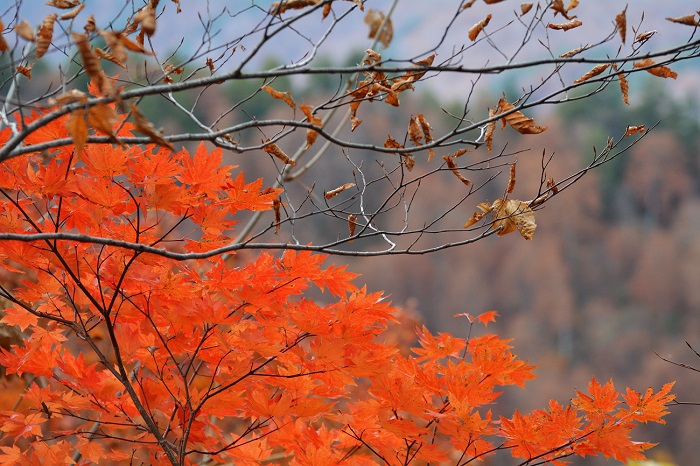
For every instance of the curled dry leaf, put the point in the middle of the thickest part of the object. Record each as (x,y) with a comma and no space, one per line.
(558,7)
(352,224)
(468,4)
(490,128)
(372,57)
(76,125)
(210,65)
(326,10)
(131,45)
(3,43)
(146,17)
(525,8)
(573,52)
(25,30)
(453,168)
(146,127)
(117,50)
(285,96)
(25,70)
(484,208)
(660,71)
(574,23)
(511,180)
(688,20)
(415,134)
(391,143)
(277,207)
(278,8)
(274,150)
(374,19)
(45,35)
(426,128)
(624,85)
(478,27)
(108,56)
(311,134)
(491,2)
(552,186)
(644,36)
(334,192)
(91,62)
(594,72)
(73,13)
(90,25)
(517,120)
(64,4)
(461,152)
(510,215)
(102,117)
(634,130)
(621,24)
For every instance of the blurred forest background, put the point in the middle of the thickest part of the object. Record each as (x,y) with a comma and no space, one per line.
(613,272)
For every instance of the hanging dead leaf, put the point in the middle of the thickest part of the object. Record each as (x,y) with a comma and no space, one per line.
(594,72)
(334,192)
(3,43)
(510,215)
(116,47)
(146,127)
(645,36)
(77,128)
(468,4)
(511,180)
(73,13)
(517,120)
(102,117)
(490,128)
(131,45)
(107,56)
(552,186)
(525,8)
(274,150)
(352,224)
(574,23)
(372,57)
(453,168)
(278,8)
(573,52)
(621,24)
(374,19)
(660,71)
(406,81)
(90,25)
(45,35)
(25,30)
(311,134)
(25,70)
(624,85)
(425,127)
(461,152)
(146,17)
(91,62)
(63,4)
(478,27)
(277,208)
(408,161)
(415,135)
(484,208)
(284,96)
(391,143)
(634,130)
(326,10)
(688,20)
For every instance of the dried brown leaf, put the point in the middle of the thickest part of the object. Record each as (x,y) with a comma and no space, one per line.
(644,36)
(511,180)
(285,96)
(511,215)
(425,127)
(415,134)
(3,43)
(476,216)
(25,30)
(146,127)
(146,17)
(311,134)
(621,24)
(478,27)
(132,45)
(688,20)
(117,53)
(108,56)
(25,70)
(64,4)
(278,8)
(517,120)
(77,128)
(90,25)
(592,73)
(660,71)
(461,152)
(552,185)
(453,168)
(274,150)
(102,117)
(525,8)
(326,10)
(624,85)
(45,35)
(468,4)
(573,52)
(91,62)
(490,128)
(574,23)
(352,224)
(634,130)
(277,208)
(73,13)
(334,192)
(408,161)
(374,19)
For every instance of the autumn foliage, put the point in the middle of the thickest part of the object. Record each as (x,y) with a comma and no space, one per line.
(131,356)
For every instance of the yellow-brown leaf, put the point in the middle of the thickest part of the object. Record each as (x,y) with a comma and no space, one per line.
(77,128)
(45,35)
(621,24)
(146,127)
(478,27)
(688,20)
(352,224)
(91,62)
(274,150)
(518,121)
(374,19)
(634,130)
(511,215)
(660,71)
(334,192)
(490,128)
(25,30)
(574,23)
(594,72)
(525,8)
(415,135)
(73,13)
(284,96)
(311,134)
(511,180)
(25,70)
(453,168)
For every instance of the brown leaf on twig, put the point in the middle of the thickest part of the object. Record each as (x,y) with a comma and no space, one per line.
(144,126)
(594,72)
(73,13)
(277,207)
(453,168)
(278,8)
(511,215)
(45,35)
(334,192)
(511,180)
(688,20)
(311,134)
(488,134)
(77,128)
(25,70)
(574,23)
(374,20)
(517,120)
(64,4)
(91,62)
(274,150)
(352,224)
(660,71)
(621,24)
(478,27)
(284,96)
(634,130)
(25,30)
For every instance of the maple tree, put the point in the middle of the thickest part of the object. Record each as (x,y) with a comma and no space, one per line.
(151,336)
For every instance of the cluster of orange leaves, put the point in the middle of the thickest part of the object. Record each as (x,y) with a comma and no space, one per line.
(227,357)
